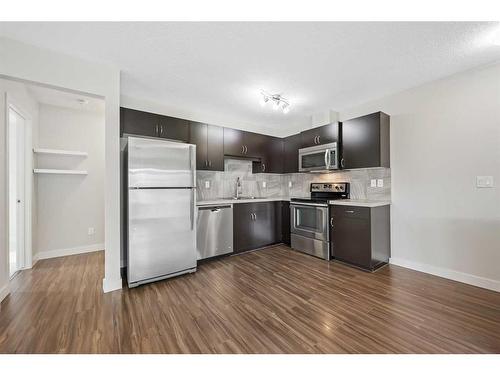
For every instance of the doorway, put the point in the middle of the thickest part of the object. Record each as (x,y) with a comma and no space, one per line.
(17,188)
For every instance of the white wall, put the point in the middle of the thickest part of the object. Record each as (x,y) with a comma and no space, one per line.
(39,65)
(21,98)
(69,205)
(443,135)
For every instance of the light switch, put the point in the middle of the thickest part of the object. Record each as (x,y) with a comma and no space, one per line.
(264,184)
(207,184)
(380,182)
(484,182)
(373,183)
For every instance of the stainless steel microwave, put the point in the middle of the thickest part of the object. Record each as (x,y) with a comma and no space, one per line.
(319,158)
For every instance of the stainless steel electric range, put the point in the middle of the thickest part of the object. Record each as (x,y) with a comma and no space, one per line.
(310,227)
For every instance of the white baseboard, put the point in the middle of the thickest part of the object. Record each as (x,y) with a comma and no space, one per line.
(462,277)
(4,292)
(65,252)
(110,285)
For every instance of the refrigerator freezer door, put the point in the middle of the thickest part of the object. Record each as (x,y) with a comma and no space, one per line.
(158,163)
(162,233)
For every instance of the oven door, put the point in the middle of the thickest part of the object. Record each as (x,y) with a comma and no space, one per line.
(318,158)
(310,220)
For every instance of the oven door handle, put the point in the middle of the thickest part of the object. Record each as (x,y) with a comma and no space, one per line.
(309,204)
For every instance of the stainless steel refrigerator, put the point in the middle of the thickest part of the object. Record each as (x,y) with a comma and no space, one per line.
(161,209)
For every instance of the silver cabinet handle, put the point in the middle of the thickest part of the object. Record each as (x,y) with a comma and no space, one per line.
(161,129)
(319,139)
(263,167)
(331,222)
(315,139)
(242,149)
(342,162)
(157,130)
(255,216)
(210,163)
(246,149)
(349,212)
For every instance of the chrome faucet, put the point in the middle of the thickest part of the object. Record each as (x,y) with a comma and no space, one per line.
(238,187)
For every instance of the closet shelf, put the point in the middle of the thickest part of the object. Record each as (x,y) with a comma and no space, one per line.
(50,151)
(59,171)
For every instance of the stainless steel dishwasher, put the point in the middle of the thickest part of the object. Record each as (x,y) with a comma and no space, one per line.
(214,234)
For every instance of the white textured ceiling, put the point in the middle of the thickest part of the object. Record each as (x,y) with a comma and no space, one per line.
(219,68)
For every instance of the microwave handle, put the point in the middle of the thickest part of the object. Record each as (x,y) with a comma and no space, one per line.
(327,159)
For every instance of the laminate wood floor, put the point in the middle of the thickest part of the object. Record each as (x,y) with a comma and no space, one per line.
(273,300)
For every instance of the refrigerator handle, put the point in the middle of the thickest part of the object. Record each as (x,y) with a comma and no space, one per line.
(192,162)
(192,207)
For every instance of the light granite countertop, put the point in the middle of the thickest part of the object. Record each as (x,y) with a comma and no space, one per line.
(236,201)
(359,202)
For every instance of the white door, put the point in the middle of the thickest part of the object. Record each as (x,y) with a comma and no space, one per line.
(16,191)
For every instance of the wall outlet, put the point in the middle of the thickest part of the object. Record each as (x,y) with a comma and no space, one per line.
(380,182)
(373,182)
(91,231)
(207,184)
(484,182)
(289,184)
(264,184)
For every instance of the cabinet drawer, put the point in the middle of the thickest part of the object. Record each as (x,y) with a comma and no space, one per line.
(353,212)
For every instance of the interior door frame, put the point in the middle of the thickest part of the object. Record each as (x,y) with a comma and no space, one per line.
(11,103)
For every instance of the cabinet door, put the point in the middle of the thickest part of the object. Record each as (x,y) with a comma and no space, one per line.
(198,137)
(271,156)
(291,153)
(365,142)
(243,227)
(233,142)
(285,222)
(139,122)
(264,228)
(350,235)
(255,144)
(174,128)
(215,148)
(320,135)
(274,156)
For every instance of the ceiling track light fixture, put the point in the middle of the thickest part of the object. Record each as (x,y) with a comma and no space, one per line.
(276,100)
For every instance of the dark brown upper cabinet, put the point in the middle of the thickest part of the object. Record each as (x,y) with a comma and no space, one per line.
(270,156)
(174,128)
(153,125)
(209,146)
(215,152)
(291,147)
(320,135)
(233,142)
(366,142)
(139,122)
(243,144)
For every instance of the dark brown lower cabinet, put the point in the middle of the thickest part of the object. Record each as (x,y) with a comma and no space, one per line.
(285,222)
(360,235)
(256,225)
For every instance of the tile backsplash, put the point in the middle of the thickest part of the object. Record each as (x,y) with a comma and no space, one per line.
(223,184)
